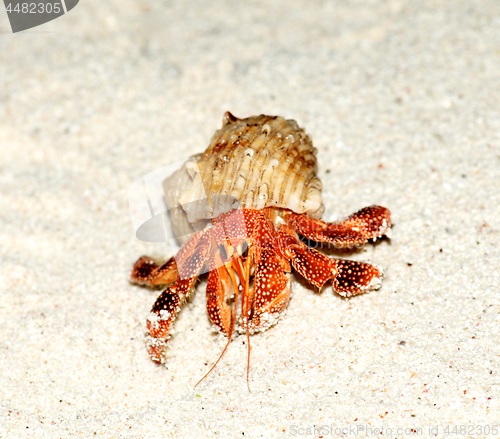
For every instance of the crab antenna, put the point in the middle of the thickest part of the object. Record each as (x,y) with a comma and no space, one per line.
(244,275)
(233,321)
(247,286)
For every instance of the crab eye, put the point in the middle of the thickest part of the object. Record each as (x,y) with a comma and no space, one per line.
(223,252)
(244,249)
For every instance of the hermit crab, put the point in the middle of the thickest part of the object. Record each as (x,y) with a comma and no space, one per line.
(246,210)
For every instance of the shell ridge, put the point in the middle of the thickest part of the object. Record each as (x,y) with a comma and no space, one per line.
(256,162)
(249,183)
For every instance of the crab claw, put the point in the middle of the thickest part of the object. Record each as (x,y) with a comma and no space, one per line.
(270,293)
(371,222)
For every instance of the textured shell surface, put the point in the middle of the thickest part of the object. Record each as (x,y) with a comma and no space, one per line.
(256,162)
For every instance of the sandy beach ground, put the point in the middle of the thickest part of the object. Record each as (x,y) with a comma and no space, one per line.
(401,99)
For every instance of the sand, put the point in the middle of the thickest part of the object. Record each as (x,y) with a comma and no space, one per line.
(401,99)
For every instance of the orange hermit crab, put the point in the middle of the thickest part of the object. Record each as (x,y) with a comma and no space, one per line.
(246,201)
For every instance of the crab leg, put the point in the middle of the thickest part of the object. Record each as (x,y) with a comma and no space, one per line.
(147,272)
(369,223)
(169,302)
(349,278)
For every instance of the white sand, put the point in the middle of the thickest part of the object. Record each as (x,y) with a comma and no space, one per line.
(402,101)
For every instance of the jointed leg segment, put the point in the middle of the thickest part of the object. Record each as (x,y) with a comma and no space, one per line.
(349,278)
(181,276)
(369,223)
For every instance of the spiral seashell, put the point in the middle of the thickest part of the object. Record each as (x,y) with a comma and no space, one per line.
(253,163)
